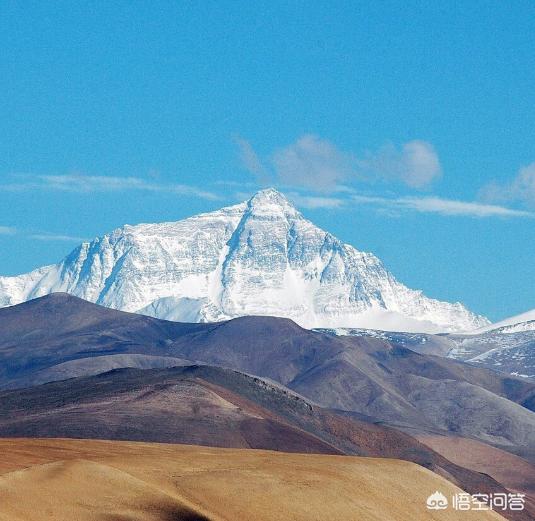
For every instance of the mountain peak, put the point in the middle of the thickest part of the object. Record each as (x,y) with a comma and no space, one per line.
(269,196)
(270,200)
(261,257)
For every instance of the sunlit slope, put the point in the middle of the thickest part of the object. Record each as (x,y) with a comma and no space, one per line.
(99,480)
(511,471)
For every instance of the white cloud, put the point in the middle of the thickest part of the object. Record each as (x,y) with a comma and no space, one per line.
(319,165)
(448,207)
(312,162)
(228,183)
(7,230)
(88,184)
(521,188)
(416,164)
(55,237)
(83,183)
(251,162)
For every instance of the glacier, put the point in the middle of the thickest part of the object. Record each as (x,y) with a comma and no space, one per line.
(260,257)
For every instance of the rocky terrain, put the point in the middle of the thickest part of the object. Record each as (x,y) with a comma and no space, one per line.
(508,349)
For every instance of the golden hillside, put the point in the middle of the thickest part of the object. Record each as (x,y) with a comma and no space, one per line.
(87,480)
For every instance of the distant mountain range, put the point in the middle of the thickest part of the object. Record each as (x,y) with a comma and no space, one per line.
(523,322)
(509,349)
(260,257)
(60,336)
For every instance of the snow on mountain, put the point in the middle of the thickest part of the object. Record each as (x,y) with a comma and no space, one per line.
(502,350)
(261,257)
(513,353)
(516,324)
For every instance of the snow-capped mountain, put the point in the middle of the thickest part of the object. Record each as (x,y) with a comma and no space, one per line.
(260,257)
(516,324)
(502,350)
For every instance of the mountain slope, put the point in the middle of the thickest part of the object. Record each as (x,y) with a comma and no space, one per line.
(513,472)
(364,375)
(372,377)
(523,322)
(502,349)
(261,257)
(199,405)
(214,407)
(506,349)
(60,336)
(153,482)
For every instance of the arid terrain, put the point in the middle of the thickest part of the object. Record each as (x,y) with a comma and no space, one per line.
(66,480)
(512,472)
(75,370)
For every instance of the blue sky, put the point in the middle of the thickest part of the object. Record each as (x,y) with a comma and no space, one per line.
(405,128)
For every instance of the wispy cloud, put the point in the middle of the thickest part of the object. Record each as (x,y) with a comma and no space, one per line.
(251,161)
(42,236)
(51,237)
(312,162)
(7,230)
(229,183)
(415,163)
(437,205)
(520,189)
(79,183)
(318,164)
